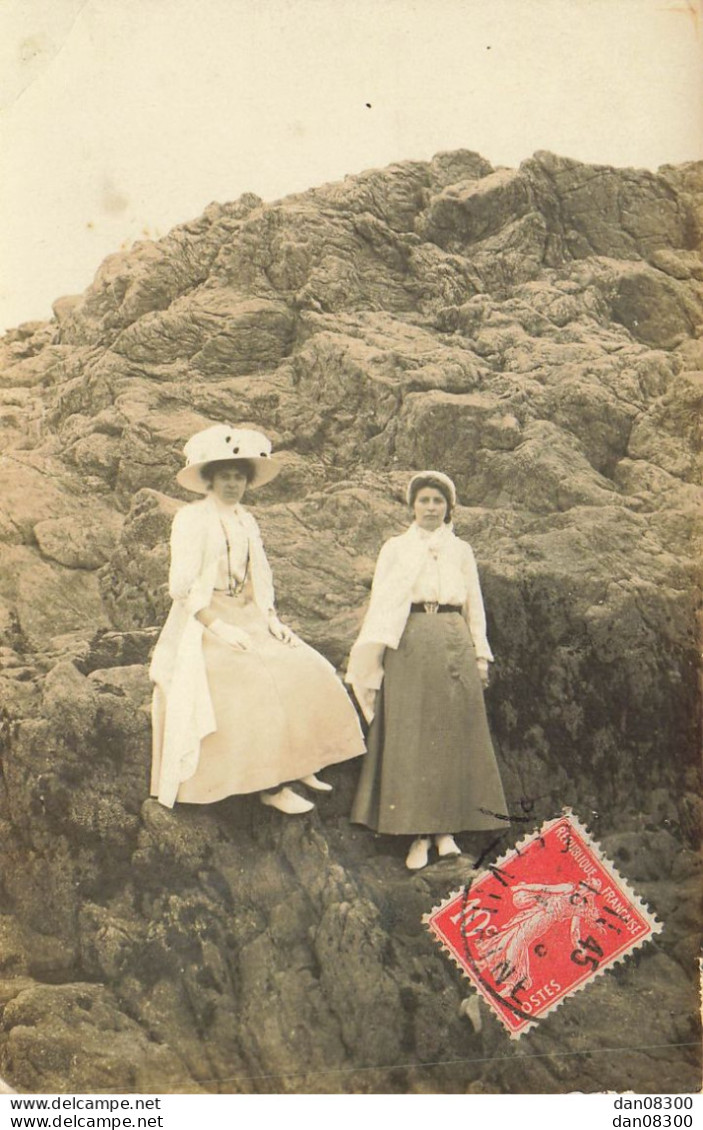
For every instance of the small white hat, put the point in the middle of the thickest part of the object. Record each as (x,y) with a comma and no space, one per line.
(220,442)
(439,476)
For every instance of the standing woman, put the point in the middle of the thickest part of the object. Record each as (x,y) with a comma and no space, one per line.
(418,670)
(240,704)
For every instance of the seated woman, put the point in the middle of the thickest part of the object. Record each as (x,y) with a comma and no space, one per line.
(240,704)
(417,670)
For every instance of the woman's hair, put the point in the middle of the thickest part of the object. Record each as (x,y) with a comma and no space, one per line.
(421,481)
(209,471)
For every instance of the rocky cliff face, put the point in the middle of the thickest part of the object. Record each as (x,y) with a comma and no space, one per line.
(533,332)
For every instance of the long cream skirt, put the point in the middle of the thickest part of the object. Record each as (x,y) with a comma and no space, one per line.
(281,711)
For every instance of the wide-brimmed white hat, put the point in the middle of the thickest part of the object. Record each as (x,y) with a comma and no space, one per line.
(440,477)
(223,442)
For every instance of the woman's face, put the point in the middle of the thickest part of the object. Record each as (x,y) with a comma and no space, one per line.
(429,508)
(229,484)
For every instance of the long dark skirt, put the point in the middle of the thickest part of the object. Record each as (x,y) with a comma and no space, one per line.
(430,765)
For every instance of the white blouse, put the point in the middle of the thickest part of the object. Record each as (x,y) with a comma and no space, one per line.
(439,579)
(416,566)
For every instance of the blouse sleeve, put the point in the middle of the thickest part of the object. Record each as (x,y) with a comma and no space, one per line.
(365,668)
(384,567)
(262,575)
(474,612)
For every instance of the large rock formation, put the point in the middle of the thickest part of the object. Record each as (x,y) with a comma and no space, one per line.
(533,333)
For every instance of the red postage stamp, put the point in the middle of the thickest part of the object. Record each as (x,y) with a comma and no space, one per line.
(541,923)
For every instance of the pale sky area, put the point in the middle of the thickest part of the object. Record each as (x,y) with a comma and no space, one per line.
(122,118)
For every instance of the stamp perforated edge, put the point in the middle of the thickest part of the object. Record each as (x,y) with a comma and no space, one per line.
(655,926)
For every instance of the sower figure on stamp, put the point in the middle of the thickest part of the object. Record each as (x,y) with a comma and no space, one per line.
(418,669)
(240,704)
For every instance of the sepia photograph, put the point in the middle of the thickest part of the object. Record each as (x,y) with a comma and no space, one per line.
(351,381)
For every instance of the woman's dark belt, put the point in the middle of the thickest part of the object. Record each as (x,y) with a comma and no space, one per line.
(433,606)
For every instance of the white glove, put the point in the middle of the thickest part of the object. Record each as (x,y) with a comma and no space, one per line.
(235,637)
(483,671)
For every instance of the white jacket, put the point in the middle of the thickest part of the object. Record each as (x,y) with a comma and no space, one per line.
(182,710)
(399,564)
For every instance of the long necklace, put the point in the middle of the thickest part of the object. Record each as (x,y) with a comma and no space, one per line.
(234,587)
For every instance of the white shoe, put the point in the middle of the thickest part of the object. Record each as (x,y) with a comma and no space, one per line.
(315,783)
(417,856)
(446,845)
(285,800)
